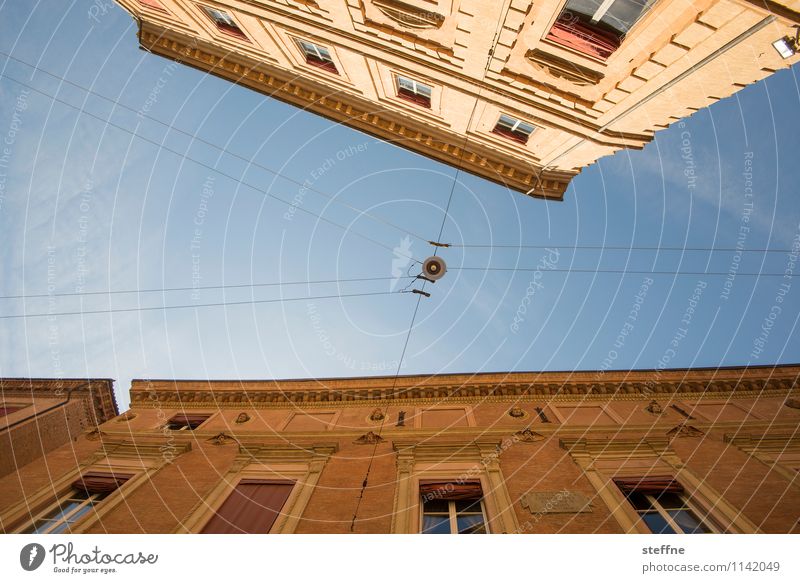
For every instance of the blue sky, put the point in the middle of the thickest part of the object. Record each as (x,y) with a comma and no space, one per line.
(87,206)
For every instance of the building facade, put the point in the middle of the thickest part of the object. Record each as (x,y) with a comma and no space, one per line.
(584,452)
(522,92)
(38,416)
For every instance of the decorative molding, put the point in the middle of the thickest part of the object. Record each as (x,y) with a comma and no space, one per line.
(528,436)
(654,408)
(369,438)
(684,430)
(242,418)
(517,413)
(221,439)
(408,15)
(563,69)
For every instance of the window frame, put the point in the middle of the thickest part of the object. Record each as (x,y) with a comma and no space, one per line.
(413,94)
(57,505)
(688,504)
(452,515)
(600,31)
(187,427)
(228,25)
(315,58)
(510,133)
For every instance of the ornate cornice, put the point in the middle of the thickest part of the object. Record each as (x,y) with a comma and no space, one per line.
(97,394)
(400,129)
(497,388)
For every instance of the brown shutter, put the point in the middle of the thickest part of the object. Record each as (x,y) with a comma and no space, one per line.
(654,486)
(189,418)
(450,490)
(96,483)
(252,508)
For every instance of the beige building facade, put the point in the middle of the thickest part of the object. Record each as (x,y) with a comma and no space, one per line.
(525,93)
(584,452)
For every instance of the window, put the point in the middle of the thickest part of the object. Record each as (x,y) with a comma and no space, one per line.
(596,27)
(513,128)
(408,15)
(186,421)
(317,56)
(66,512)
(413,91)
(224,22)
(251,508)
(452,508)
(663,506)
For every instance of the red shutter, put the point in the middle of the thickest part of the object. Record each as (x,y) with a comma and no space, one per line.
(413,97)
(97,483)
(654,485)
(583,37)
(252,508)
(450,490)
(327,65)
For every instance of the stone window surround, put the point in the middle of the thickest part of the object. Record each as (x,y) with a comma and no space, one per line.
(562,418)
(779,452)
(301,464)
(141,462)
(603,460)
(469,460)
(416,419)
(314,413)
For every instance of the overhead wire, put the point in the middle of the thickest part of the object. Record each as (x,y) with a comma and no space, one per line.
(212,169)
(195,137)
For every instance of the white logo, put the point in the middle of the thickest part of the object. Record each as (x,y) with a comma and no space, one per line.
(402,257)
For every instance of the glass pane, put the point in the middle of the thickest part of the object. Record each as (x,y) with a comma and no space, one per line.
(60,528)
(468,506)
(435,524)
(688,522)
(656,523)
(405,83)
(639,501)
(436,506)
(525,128)
(671,501)
(66,507)
(623,14)
(424,90)
(471,524)
(506,121)
(324,53)
(585,8)
(80,513)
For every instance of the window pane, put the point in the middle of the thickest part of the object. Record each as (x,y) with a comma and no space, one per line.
(623,14)
(656,523)
(424,90)
(436,506)
(405,83)
(471,524)
(671,501)
(688,522)
(639,501)
(525,128)
(66,507)
(473,506)
(435,524)
(80,513)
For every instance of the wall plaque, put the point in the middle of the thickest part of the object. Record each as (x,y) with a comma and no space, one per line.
(557,502)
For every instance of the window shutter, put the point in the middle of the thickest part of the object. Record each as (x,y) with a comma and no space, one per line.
(189,418)
(654,485)
(96,483)
(252,508)
(450,490)
(583,37)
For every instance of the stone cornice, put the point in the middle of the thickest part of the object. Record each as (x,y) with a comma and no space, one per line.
(97,394)
(520,174)
(463,388)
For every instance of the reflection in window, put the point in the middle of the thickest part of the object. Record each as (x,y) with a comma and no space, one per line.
(225,23)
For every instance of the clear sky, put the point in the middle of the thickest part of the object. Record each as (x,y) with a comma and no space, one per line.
(94,197)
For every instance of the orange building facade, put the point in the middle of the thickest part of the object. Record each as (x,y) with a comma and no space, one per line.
(525,93)
(584,452)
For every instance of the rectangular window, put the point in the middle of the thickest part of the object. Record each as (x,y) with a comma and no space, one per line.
(414,91)
(513,128)
(318,56)
(225,23)
(452,508)
(186,421)
(596,27)
(663,506)
(252,508)
(67,511)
